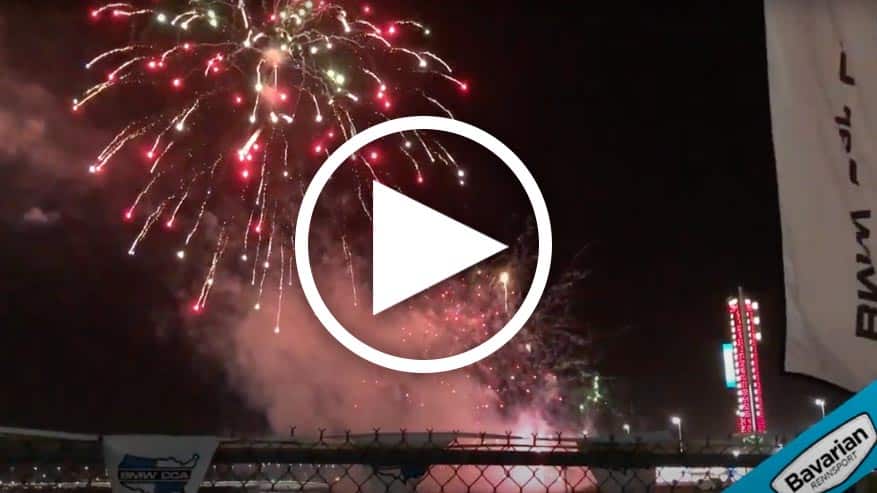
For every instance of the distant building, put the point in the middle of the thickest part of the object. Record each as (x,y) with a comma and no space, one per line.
(742,364)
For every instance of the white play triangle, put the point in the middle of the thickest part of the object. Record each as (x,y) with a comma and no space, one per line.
(415,247)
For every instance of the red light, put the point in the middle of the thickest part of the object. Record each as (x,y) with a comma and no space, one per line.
(387,105)
(177,83)
(187,46)
(169,224)
(273,17)
(256,146)
(249,157)
(111,76)
(391,29)
(245,173)
(196,308)
(258,228)
(95,14)
(150,154)
(129,214)
(419,179)
(373,155)
(283,96)
(318,148)
(238,100)
(117,13)
(331,135)
(152,64)
(464,87)
(367,9)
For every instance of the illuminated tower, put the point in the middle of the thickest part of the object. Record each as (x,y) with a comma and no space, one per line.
(746,377)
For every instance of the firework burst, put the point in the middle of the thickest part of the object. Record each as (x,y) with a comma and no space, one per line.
(232,104)
(241,100)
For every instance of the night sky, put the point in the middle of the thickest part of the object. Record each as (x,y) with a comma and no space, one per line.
(646,126)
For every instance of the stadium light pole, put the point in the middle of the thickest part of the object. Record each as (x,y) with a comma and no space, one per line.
(676,420)
(821,403)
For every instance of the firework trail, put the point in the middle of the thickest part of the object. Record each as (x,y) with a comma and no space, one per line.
(242,99)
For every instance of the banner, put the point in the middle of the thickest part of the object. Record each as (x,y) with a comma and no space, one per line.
(823,96)
(832,456)
(157,463)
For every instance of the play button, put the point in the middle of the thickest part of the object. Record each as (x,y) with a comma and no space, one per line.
(415,247)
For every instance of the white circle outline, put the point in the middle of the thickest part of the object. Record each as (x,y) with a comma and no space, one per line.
(302,250)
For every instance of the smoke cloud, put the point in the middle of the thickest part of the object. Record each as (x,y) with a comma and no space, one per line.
(39,217)
(43,148)
(303,377)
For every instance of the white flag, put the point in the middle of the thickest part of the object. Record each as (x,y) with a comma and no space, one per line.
(822,64)
(157,463)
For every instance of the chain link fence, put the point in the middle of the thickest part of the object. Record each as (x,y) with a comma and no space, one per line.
(380,462)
